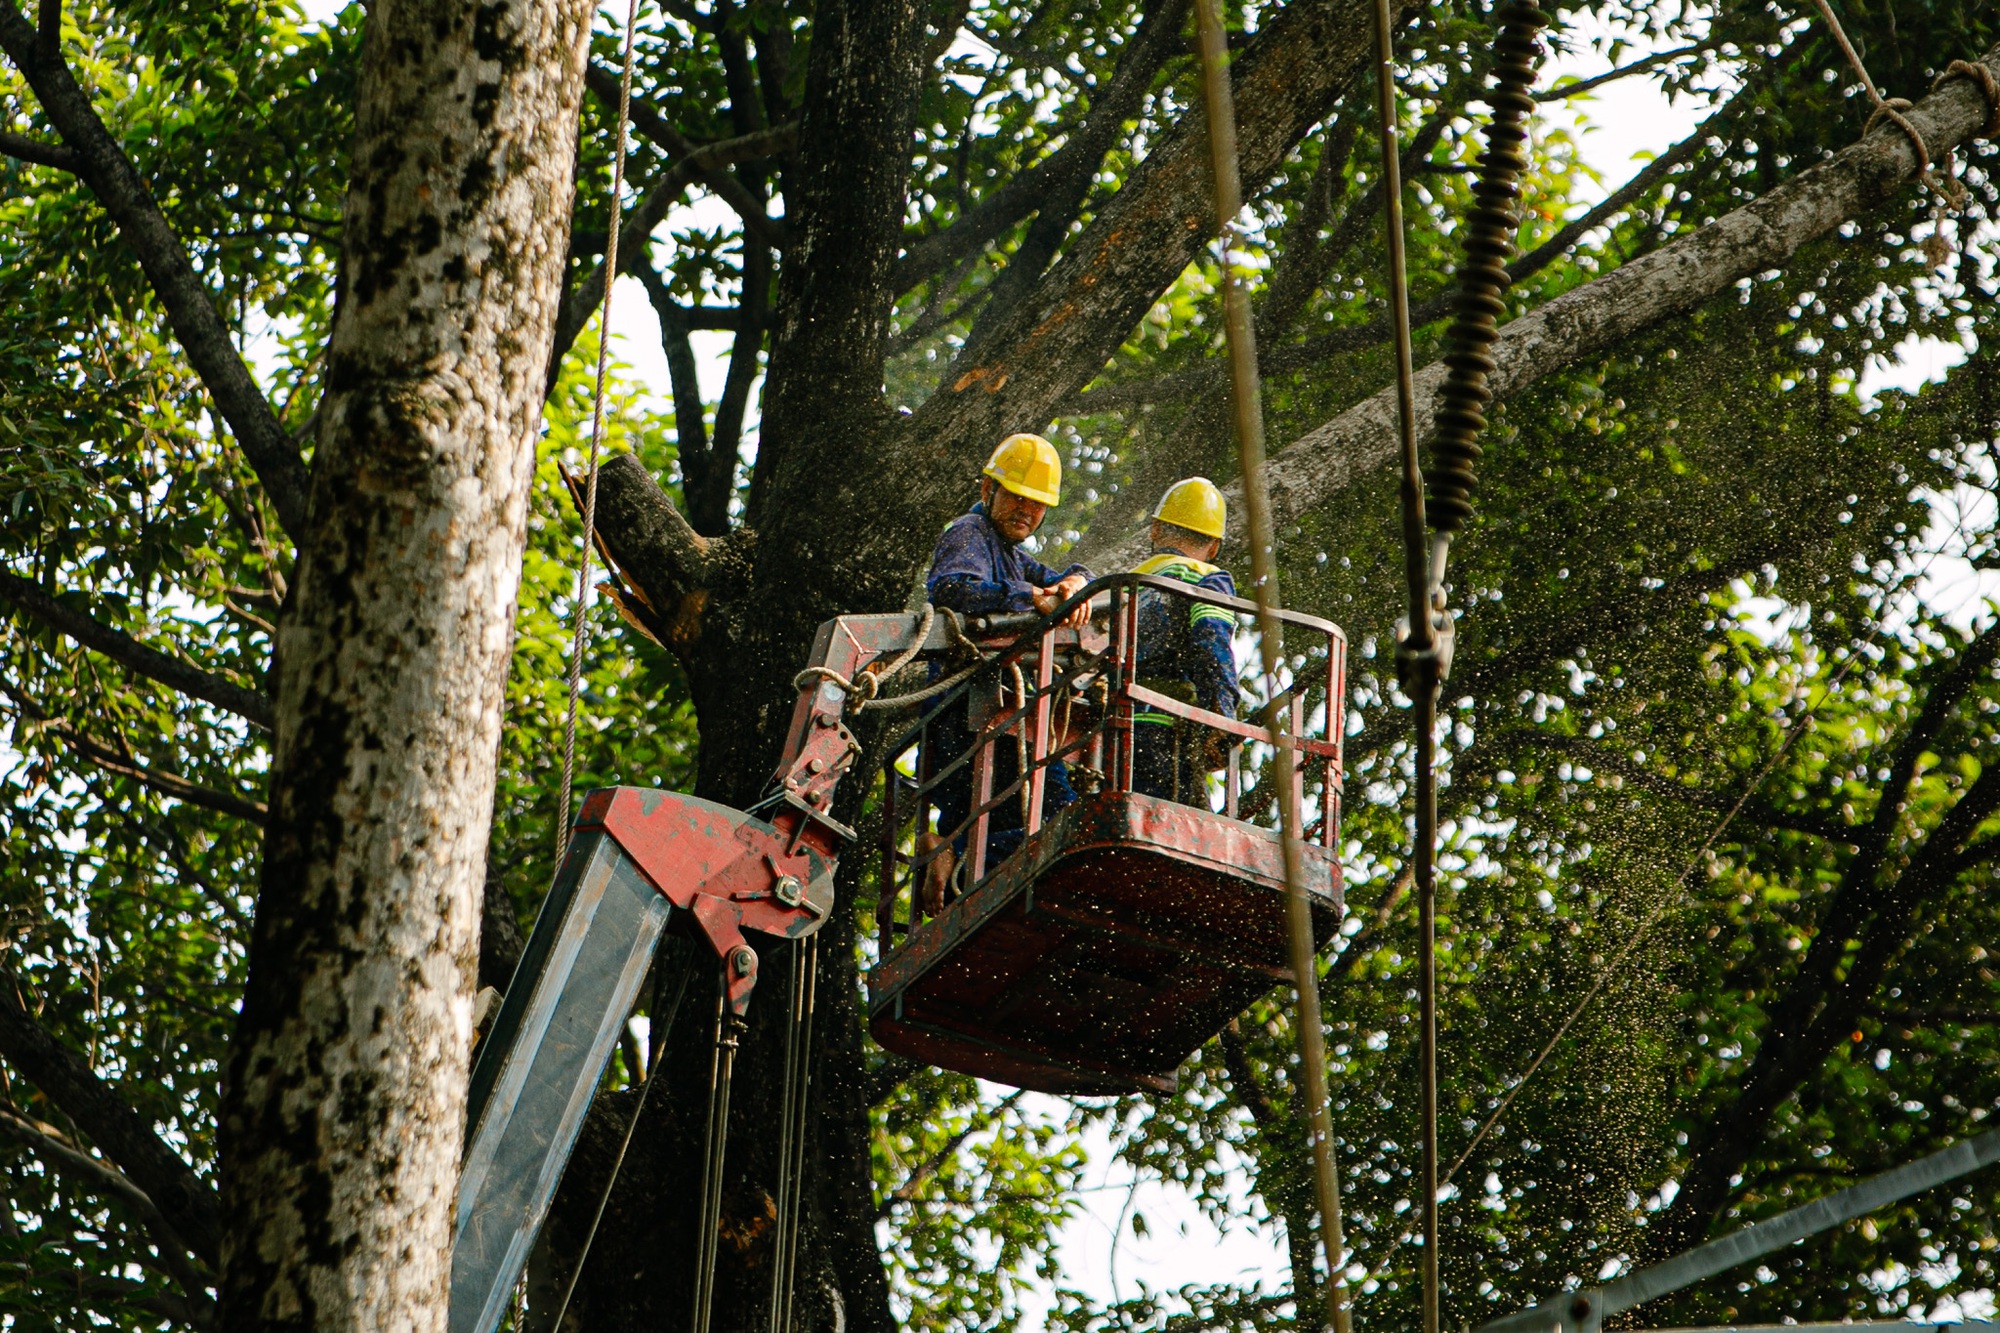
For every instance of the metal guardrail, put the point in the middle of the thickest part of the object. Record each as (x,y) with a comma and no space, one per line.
(1585,1310)
(1040,668)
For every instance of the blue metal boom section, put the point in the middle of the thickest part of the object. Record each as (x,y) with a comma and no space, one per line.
(541,1063)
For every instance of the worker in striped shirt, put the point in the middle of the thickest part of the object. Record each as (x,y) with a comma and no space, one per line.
(1186,647)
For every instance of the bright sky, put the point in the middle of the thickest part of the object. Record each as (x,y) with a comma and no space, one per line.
(1619,126)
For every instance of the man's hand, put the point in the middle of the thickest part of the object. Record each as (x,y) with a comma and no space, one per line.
(1049,598)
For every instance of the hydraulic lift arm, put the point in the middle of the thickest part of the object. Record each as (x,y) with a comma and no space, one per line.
(640,863)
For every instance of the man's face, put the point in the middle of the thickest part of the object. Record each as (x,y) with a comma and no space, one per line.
(1016,516)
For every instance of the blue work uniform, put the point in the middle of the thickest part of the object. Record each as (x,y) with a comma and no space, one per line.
(1187,650)
(976,571)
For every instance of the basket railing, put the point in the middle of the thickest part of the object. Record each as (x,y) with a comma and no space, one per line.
(972,779)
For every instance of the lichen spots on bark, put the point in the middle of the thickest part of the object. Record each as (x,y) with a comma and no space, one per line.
(485,99)
(344,1108)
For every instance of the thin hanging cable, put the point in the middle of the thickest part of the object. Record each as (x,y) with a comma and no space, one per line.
(787,1098)
(580,640)
(1246,400)
(728,1036)
(799,1139)
(792,1135)
(1418,649)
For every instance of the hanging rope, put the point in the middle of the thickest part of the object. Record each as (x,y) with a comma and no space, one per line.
(1948,192)
(580,639)
(1890,109)
(1246,400)
(861,691)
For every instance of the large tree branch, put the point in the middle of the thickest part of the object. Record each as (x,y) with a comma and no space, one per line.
(119,1132)
(698,461)
(1787,1055)
(635,233)
(1157,37)
(1859,893)
(914,471)
(864,82)
(113,760)
(1301,263)
(708,497)
(674,569)
(714,174)
(104,1179)
(1576,87)
(33,600)
(122,1295)
(117,760)
(1243,1078)
(1589,320)
(1285,82)
(34,150)
(103,166)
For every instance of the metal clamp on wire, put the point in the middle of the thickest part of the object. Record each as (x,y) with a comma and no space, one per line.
(1413,665)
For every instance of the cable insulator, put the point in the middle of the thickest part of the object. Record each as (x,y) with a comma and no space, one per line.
(1483,279)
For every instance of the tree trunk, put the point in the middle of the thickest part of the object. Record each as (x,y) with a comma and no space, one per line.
(345,1105)
(748,606)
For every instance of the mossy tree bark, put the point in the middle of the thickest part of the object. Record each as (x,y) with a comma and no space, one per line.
(345,1109)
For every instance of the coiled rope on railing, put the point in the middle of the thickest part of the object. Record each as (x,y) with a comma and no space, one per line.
(863,689)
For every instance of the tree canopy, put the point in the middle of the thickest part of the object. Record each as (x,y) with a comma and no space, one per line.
(1720,826)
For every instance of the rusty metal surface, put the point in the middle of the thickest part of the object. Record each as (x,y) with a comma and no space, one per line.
(1119,939)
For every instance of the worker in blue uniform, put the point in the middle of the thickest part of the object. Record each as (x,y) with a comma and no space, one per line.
(1186,647)
(979,568)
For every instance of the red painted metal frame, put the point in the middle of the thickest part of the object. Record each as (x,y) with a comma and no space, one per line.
(1042,646)
(735,873)
(729,871)
(1157,901)
(1105,662)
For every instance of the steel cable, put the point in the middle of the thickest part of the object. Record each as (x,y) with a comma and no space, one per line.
(580,639)
(728,1036)
(792,1130)
(661,1023)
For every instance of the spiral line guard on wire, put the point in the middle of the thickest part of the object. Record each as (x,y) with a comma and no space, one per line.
(1483,279)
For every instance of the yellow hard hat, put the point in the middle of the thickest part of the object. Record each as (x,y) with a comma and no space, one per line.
(1028,466)
(1194,504)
